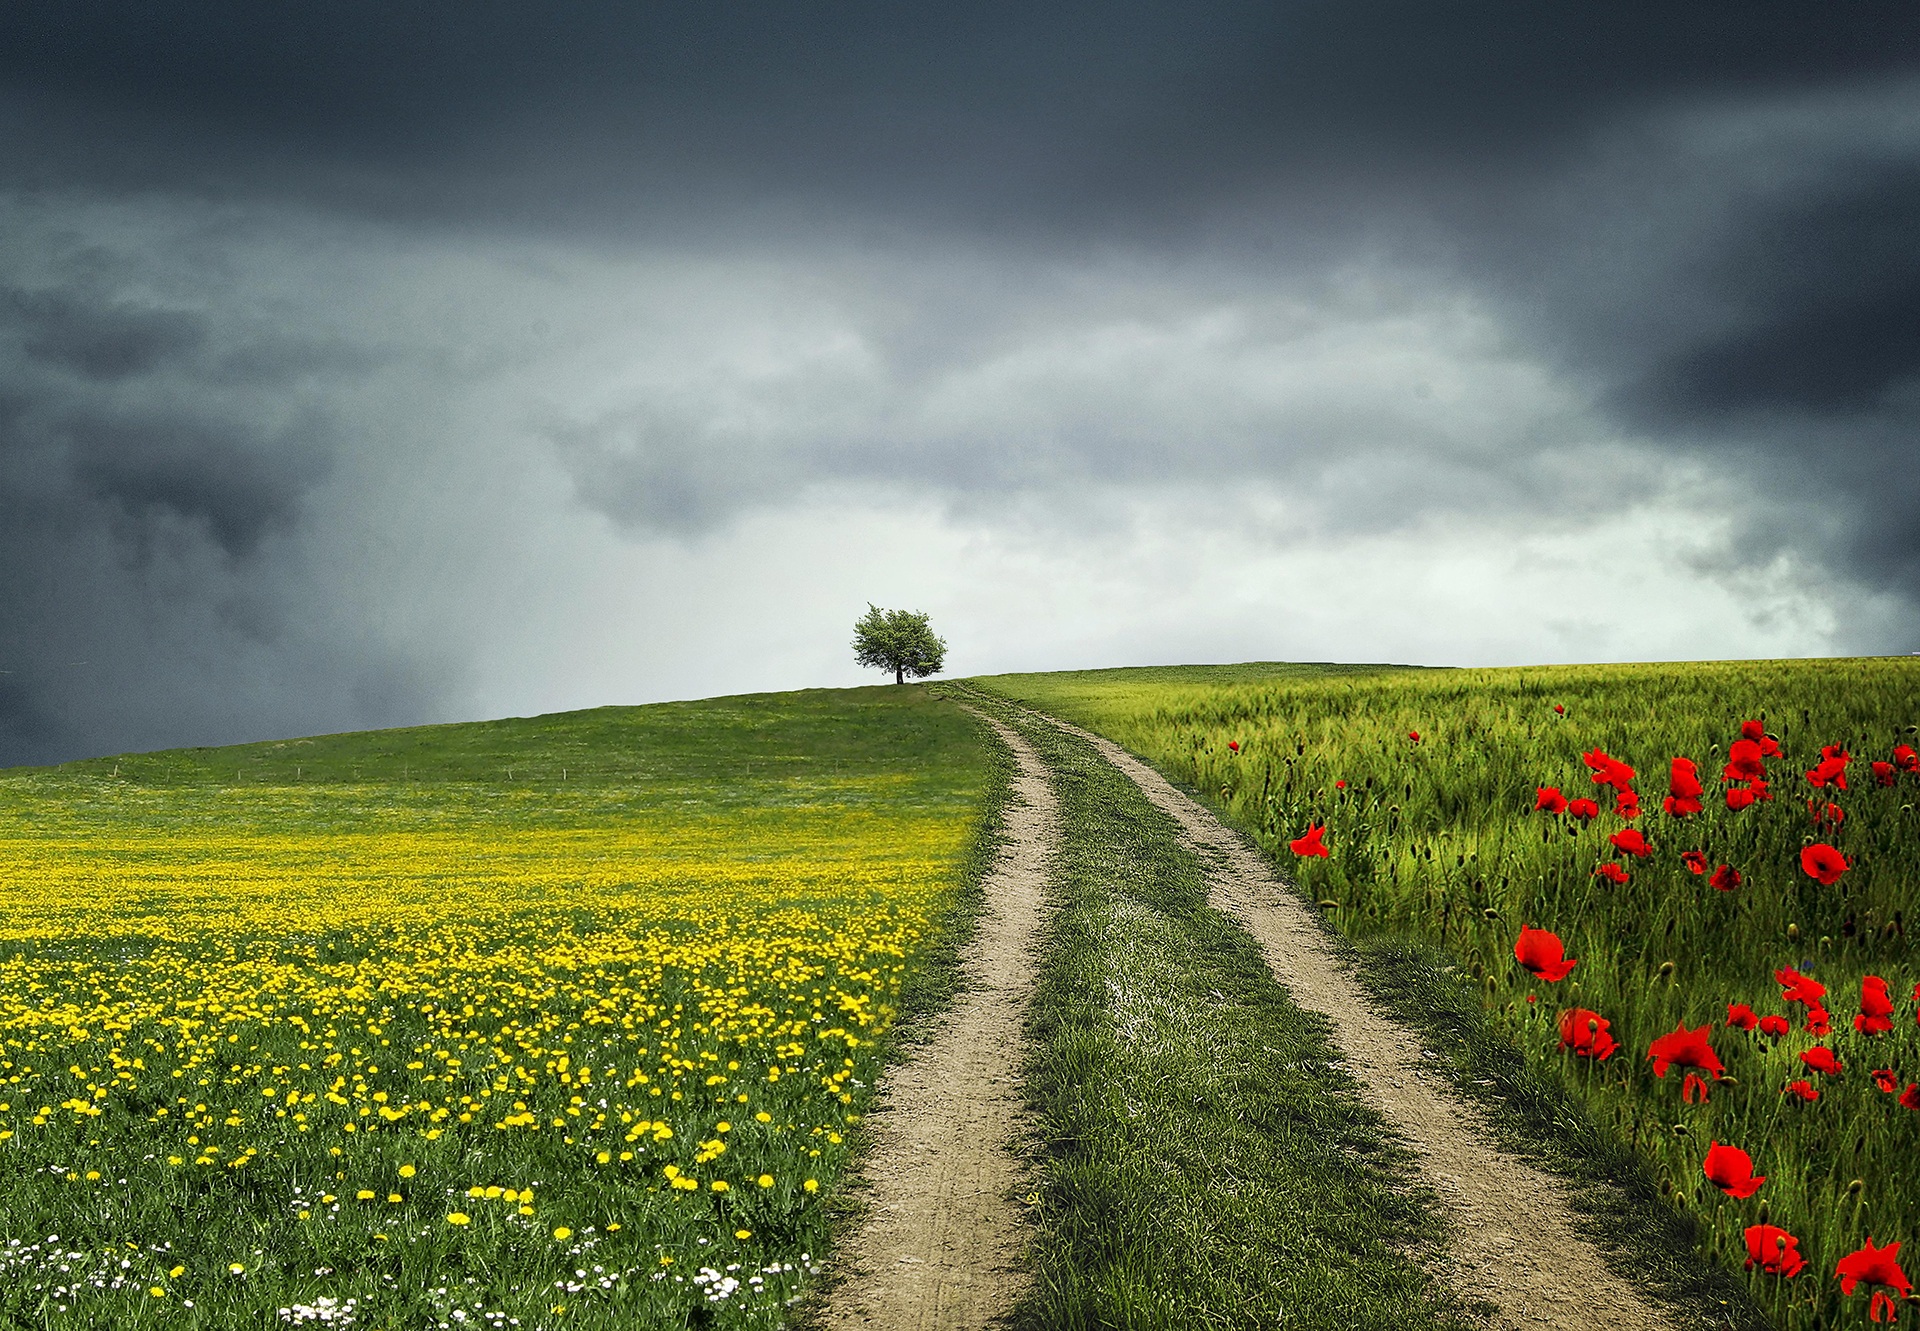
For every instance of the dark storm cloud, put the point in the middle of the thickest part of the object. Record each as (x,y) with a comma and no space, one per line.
(154,462)
(151,472)
(1085,117)
(1824,310)
(100,343)
(167,442)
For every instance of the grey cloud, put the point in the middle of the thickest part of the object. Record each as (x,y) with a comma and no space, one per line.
(153,470)
(1818,308)
(155,524)
(109,342)
(1074,119)
(1388,266)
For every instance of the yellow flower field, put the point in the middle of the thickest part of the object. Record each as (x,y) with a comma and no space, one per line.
(508,1060)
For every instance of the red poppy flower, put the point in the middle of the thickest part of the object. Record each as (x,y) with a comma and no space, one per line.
(1876,1007)
(1683,779)
(1905,758)
(1630,842)
(1757,732)
(1560,709)
(1583,809)
(1759,788)
(1775,1026)
(1883,774)
(1234,744)
(1310,844)
(1608,771)
(1831,769)
(1821,1060)
(1886,1080)
(1819,1021)
(1910,1098)
(1685,1048)
(1693,1090)
(1549,800)
(1725,878)
(1796,986)
(1741,1017)
(1542,953)
(1823,863)
(1695,860)
(1744,762)
(1613,873)
(1676,807)
(1878,1267)
(1774,1250)
(1802,1090)
(1831,815)
(1339,785)
(1586,1033)
(1739,798)
(1414,735)
(1730,1169)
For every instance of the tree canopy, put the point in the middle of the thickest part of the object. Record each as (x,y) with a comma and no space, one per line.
(898,640)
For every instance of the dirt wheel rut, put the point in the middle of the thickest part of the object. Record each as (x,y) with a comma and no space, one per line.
(941,1241)
(1515,1243)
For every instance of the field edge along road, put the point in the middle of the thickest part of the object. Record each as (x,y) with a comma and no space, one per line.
(1514,1243)
(941,1241)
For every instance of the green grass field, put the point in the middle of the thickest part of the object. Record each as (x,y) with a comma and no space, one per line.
(1438,857)
(564,1021)
(574,1020)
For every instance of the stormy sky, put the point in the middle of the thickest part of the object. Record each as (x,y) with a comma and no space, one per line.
(368,364)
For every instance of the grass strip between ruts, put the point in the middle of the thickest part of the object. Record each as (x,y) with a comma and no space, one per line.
(1204,1159)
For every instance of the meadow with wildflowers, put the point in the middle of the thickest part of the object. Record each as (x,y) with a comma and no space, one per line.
(567,1021)
(1680,891)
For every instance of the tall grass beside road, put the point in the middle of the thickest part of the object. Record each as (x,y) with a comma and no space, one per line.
(1427,788)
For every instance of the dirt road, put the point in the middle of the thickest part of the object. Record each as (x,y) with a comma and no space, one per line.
(940,1245)
(941,1241)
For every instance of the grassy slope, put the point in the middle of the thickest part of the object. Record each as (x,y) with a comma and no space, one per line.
(1205,1163)
(737,750)
(728,776)
(1457,984)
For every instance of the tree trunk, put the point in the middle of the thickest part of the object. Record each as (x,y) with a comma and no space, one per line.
(899,674)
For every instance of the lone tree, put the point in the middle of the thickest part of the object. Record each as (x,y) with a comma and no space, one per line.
(900,641)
